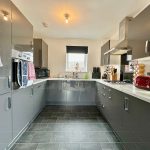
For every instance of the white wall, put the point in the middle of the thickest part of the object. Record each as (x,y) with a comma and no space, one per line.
(146,62)
(57,53)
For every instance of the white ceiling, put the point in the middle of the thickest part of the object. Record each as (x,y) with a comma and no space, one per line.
(90,19)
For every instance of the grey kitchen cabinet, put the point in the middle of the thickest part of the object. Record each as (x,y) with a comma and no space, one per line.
(69,92)
(6,120)
(22,31)
(56,93)
(127,115)
(105,58)
(40,53)
(101,99)
(116,110)
(87,93)
(22,103)
(80,92)
(73,92)
(139,33)
(38,98)
(5,46)
(136,122)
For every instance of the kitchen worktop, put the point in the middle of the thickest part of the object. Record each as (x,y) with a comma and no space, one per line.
(126,88)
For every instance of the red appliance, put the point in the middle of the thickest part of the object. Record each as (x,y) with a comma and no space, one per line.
(142,82)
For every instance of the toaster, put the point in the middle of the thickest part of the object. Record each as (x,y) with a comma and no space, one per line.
(142,82)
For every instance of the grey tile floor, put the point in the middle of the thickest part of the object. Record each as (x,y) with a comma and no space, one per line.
(68,128)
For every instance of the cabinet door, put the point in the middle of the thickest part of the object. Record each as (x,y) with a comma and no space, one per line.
(39,98)
(56,94)
(137,122)
(73,92)
(22,31)
(6,121)
(5,46)
(116,111)
(138,49)
(22,109)
(44,54)
(104,100)
(98,96)
(105,58)
(87,93)
(107,96)
(37,52)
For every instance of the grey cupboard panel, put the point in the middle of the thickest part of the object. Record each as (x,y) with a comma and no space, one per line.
(22,31)
(6,121)
(105,58)
(40,53)
(56,94)
(116,111)
(136,120)
(127,115)
(44,54)
(5,47)
(38,98)
(87,93)
(70,92)
(73,92)
(22,102)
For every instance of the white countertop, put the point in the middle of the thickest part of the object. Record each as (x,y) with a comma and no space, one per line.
(129,89)
(126,88)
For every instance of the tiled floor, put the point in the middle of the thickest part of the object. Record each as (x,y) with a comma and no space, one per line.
(68,128)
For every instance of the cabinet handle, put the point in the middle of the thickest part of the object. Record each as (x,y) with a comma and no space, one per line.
(126,104)
(9,102)
(109,97)
(146,46)
(32,92)
(9,81)
(39,86)
(102,106)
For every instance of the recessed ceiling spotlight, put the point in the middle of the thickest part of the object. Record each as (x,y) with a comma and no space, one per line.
(45,25)
(66,18)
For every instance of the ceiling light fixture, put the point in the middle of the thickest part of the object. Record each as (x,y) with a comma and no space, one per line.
(66,18)
(5,15)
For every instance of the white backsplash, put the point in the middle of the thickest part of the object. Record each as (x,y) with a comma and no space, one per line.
(146,62)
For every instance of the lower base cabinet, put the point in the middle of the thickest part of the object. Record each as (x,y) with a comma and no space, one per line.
(6,121)
(38,98)
(56,93)
(70,92)
(127,115)
(22,109)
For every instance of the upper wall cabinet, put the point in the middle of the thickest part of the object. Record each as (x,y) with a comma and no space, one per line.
(105,58)
(5,45)
(22,31)
(40,53)
(139,33)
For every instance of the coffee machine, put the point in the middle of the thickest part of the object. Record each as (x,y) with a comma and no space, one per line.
(96,74)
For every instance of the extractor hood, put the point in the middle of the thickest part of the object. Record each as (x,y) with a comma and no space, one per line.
(122,45)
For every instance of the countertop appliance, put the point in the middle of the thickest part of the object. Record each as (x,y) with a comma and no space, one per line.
(142,82)
(96,74)
(42,73)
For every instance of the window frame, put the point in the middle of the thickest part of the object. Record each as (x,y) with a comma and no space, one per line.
(85,63)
